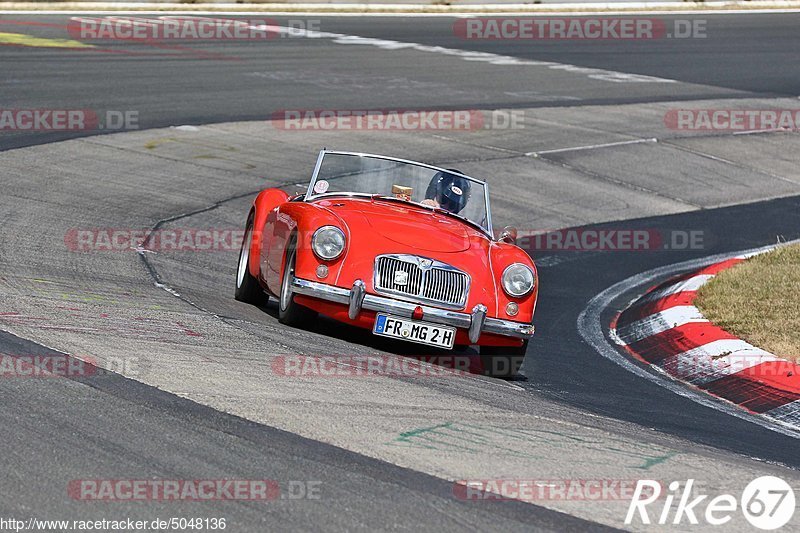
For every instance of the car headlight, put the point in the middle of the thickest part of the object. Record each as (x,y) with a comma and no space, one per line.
(328,242)
(517,280)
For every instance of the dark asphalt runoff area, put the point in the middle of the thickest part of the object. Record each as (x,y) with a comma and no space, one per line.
(107,426)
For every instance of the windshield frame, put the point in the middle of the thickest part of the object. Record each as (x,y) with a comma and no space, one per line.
(322,153)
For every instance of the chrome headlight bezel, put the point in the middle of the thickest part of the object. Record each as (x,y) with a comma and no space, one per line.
(518,268)
(328,236)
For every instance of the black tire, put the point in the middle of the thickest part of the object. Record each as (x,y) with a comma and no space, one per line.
(291,313)
(248,289)
(503,361)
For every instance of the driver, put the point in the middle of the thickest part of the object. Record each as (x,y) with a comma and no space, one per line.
(448,191)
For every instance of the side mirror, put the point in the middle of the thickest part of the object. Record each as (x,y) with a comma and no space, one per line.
(509,235)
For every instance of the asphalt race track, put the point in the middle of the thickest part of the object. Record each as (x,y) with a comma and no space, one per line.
(248,80)
(194,392)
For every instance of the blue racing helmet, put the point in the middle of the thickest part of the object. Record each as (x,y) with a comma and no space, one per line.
(450,191)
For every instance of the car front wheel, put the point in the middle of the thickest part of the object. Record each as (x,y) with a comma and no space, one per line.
(247,288)
(290,312)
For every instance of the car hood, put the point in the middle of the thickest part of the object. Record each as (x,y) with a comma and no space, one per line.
(407,225)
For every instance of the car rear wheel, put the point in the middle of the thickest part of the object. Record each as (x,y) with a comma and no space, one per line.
(503,361)
(290,312)
(247,288)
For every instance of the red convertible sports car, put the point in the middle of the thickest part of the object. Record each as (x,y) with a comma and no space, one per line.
(401,248)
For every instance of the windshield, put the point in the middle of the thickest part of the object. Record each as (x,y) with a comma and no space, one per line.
(445,189)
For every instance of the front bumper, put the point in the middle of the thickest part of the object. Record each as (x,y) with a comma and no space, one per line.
(357,299)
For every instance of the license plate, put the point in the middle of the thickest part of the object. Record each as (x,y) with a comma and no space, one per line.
(414,331)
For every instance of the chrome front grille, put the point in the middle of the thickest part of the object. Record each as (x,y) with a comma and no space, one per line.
(386,267)
(420,279)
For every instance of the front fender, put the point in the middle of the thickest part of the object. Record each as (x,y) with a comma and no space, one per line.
(266,201)
(501,255)
(298,221)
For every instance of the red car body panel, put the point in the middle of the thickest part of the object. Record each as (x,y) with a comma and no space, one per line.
(374,227)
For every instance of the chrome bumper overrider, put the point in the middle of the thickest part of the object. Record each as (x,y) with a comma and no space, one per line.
(356,299)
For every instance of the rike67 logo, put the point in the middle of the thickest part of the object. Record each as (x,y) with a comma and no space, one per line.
(767,502)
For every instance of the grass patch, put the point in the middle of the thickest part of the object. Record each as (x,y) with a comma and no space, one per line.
(759,301)
(21,39)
